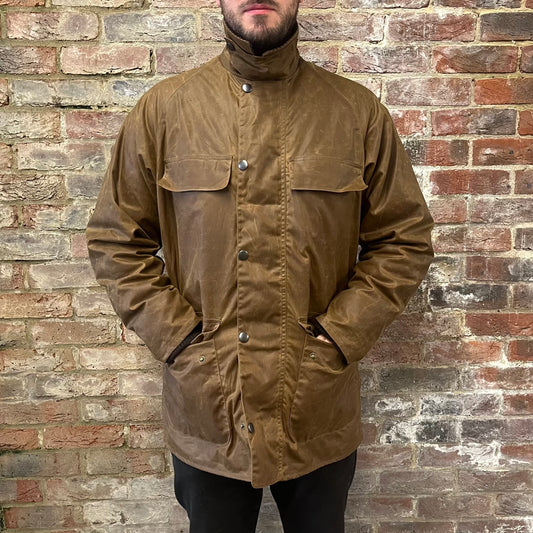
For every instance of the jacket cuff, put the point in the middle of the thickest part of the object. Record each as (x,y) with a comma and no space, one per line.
(184,343)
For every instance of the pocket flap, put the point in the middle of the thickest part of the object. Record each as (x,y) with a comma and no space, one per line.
(196,174)
(325,174)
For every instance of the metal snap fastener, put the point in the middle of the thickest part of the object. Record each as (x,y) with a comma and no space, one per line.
(243,336)
(243,425)
(312,355)
(243,164)
(242,255)
(246,87)
(251,428)
(202,359)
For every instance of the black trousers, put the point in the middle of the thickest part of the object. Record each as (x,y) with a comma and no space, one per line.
(314,503)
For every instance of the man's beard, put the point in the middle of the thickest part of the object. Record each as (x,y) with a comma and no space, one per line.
(262,37)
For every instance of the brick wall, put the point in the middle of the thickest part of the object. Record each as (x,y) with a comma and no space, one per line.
(448,398)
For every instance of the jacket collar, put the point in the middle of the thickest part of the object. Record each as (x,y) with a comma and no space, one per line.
(275,64)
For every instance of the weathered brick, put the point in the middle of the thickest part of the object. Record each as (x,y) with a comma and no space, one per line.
(50,217)
(508,378)
(84,186)
(98,3)
(71,156)
(518,404)
(61,275)
(499,268)
(65,437)
(522,296)
(526,61)
(43,516)
(473,239)
(42,360)
(39,464)
(500,324)
(33,246)
(506,26)
(379,506)
(125,461)
(524,182)
(35,305)
(71,385)
(4,95)
(452,59)
(423,431)
(394,353)
(416,527)
(504,91)
(131,410)
(341,26)
(105,60)
(385,59)
(29,124)
(470,181)
(409,121)
(117,358)
(514,504)
(128,91)
(48,332)
(419,379)
(437,152)
(432,27)
(473,404)
(427,91)
(389,406)
(93,124)
(469,296)
(27,60)
(472,454)
(6,159)
(520,350)
(322,56)
(146,436)
(126,512)
(510,151)
(173,60)
(503,525)
(368,4)
(453,352)
(525,126)
(145,383)
(78,246)
(454,506)
(10,276)
(20,491)
(92,304)
(416,481)
(485,430)
(8,217)
(483,481)
(412,326)
(12,334)
(474,121)
(487,4)
(22,3)
(65,26)
(18,439)
(448,210)
(140,27)
(500,210)
(51,411)
(31,187)
(210,3)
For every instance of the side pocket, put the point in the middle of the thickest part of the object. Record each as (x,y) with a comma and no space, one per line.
(193,394)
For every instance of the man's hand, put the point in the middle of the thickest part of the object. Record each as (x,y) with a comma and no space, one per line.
(323,338)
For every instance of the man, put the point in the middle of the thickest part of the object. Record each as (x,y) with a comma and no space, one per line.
(293,231)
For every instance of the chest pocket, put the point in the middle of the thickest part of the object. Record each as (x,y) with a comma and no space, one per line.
(327,174)
(197,174)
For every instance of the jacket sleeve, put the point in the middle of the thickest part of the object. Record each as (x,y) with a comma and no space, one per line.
(123,238)
(395,244)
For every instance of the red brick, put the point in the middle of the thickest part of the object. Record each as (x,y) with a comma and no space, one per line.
(448,210)
(381,506)
(500,210)
(58,411)
(479,3)
(431,27)
(28,491)
(473,121)
(341,26)
(451,59)
(326,57)
(73,332)
(105,60)
(125,461)
(521,350)
(44,516)
(503,525)
(524,238)
(474,239)
(172,60)
(504,91)
(93,124)
(385,59)
(39,464)
(416,481)
(27,60)
(394,353)
(500,323)
(453,352)
(499,268)
(506,26)
(470,182)
(503,151)
(83,437)
(366,4)
(525,126)
(437,152)
(416,527)
(65,26)
(409,121)
(427,91)
(524,182)
(518,404)
(35,305)
(526,61)
(518,429)
(19,439)
(454,506)
(522,296)
(389,456)
(518,453)
(498,481)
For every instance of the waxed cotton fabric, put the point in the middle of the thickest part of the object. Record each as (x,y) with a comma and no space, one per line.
(335,230)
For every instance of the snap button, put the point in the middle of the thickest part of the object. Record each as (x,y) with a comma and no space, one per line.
(201,359)
(312,355)
(243,164)
(242,255)
(243,336)
(251,428)
(246,87)
(242,425)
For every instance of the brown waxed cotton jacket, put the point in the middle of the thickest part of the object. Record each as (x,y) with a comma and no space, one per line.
(259,178)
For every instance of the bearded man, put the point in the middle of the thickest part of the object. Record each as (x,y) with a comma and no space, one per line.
(293,231)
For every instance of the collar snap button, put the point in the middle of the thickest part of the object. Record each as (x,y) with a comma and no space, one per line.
(246,87)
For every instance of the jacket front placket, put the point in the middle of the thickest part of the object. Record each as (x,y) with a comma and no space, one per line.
(260,172)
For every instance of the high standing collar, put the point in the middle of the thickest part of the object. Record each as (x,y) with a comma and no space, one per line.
(276,64)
